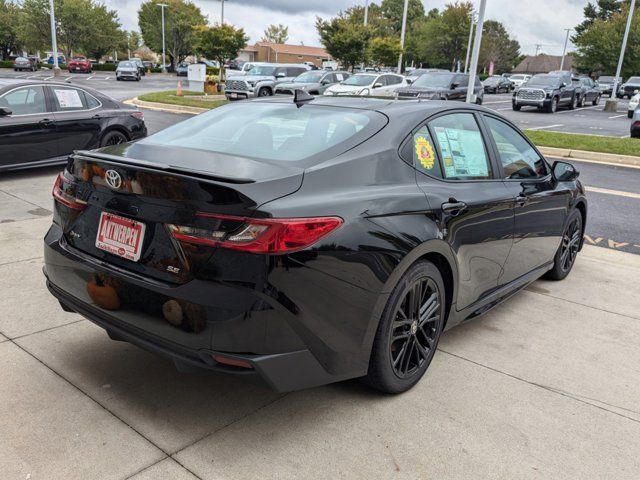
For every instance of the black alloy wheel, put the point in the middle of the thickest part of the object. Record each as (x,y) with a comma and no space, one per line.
(409,330)
(568,249)
(583,101)
(596,101)
(574,103)
(553,106)
(113,138)
(263,92)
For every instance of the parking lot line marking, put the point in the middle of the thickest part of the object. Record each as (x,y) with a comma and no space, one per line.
(497,101)
(107,78)
(48,78)
(619,116)
(547,126)
(501,109)
(573,111)
(608,191)
(90,77)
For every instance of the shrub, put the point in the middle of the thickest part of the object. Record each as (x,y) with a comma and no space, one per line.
(213,71)
(105,67)
(6,64)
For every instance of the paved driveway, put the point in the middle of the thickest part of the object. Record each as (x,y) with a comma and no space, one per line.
(545,386)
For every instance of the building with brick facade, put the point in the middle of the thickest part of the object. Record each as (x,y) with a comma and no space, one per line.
(283,53)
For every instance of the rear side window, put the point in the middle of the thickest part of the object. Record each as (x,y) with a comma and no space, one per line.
(424,153)
(393,80)
(68,99)
(518,158)
(462,149)
(25,101)
(278,132)
(295,71)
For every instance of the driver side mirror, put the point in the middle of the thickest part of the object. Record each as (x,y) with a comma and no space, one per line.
(325,82)
(409,81)
(563,84)
(5,112)
(564,172)
(281,75)
(377,85)
(455,85)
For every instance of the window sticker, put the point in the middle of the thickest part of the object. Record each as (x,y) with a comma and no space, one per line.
(339,76)
(462,152)
(424,152)
(68,98)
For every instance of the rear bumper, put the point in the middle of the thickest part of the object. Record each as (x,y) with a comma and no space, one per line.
(288,345)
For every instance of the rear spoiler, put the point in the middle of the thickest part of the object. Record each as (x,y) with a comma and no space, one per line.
(146,164)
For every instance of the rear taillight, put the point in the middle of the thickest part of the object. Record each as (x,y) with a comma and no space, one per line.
(138,115)
(636,123)
(64,193)
(273,235)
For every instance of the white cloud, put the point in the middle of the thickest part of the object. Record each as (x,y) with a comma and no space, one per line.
(542,22)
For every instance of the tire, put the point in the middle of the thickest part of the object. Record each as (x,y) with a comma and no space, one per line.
(574,103)
(263,92)
(568,250)
(553,106)
(629,114)
(391,370)
(479,101)
(516,108)
(118,79)
(582,101)
(596,101)
(114,137)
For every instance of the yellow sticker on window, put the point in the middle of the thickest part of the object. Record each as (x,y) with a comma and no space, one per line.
(424,152)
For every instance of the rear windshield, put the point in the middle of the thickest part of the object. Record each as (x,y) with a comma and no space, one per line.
(125,65)
(274,131)
(634,80)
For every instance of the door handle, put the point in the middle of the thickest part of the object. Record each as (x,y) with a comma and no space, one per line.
(45,122)
(454,208)
(522,200)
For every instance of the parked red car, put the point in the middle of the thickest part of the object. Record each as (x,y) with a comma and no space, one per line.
(79,64)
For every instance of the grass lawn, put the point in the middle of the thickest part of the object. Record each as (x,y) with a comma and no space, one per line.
(590,143)
(170,98)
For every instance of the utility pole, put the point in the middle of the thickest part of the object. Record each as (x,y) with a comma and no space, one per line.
(402,32)
(564,50)
(473,69)
(164,56)
(538,46)
(624,47)
(54,41)
(221,12)
(474,19)
(366,12)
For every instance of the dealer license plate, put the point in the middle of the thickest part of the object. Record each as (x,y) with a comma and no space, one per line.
(120,236)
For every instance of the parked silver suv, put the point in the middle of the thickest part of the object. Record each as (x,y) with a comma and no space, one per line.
(262,79)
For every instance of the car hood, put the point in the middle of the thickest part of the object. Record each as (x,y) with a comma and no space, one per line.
(252,78)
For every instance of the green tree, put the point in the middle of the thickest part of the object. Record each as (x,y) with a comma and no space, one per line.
(104,34)
(498,47)
(181,21)
(392,11)
(220,42)
(35,30)
(345,41)
(276,34)
(602,10)
(384,50)
(10,14)
(440,40)
(598,46)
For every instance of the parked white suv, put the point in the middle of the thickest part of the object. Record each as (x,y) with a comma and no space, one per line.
(519,79)
(378,85)
(262,79)
(633,104)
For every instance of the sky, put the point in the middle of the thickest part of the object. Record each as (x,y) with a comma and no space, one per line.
(543,22)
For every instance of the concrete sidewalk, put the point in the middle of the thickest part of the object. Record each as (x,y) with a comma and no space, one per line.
(544,387)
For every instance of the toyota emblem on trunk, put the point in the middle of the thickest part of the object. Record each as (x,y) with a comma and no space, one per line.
(113,179)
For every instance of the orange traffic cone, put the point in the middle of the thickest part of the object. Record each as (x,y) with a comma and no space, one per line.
(179,90)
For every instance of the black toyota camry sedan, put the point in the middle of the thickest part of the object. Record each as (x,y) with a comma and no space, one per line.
(42,123)
(310,242)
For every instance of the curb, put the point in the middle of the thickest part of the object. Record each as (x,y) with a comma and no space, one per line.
(626,160)
(165,107)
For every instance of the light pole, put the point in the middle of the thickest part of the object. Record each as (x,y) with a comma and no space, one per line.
(474,19)
(366,12)
(54,40)
(564,50)
(473,69)
(624,47)
(221,12)
(164,61)
(402,32)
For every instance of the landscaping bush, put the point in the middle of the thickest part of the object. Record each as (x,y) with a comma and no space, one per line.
(105,67)
(213,71)
(155,70)
(6,64)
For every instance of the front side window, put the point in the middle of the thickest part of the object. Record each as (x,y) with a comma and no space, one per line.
(68,99)
(518,158)
(462,149)
(25,101)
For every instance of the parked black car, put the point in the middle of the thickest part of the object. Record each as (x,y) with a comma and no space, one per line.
(497,84)
(629,88)
(41,123)
(635,124)
(588,91)
(312,241)
(547,92)
(441,86)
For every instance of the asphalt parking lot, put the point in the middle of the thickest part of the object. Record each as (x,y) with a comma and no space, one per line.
(591,120)
(544,386)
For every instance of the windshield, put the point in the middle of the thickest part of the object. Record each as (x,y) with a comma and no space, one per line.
(437,80)
(517,77)
(263,71)
(309,77)
(634,80)
(280,132)
(544,81)
(360,80)
(492,80)
(126,65)
(605,79)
